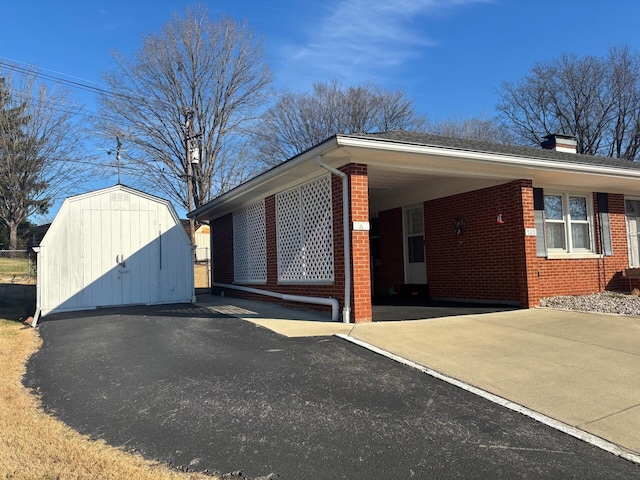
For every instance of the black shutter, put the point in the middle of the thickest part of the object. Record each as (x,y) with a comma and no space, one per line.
(603,221)
(538,213)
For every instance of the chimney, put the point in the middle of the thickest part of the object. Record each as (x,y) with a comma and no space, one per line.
(560,143)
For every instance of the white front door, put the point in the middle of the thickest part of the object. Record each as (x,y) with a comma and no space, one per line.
(416,268)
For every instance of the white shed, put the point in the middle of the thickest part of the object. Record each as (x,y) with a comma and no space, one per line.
(111,247)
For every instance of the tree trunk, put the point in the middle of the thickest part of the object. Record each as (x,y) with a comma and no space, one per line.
(13,235)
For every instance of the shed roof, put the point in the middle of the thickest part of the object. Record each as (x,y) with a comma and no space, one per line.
(115,188)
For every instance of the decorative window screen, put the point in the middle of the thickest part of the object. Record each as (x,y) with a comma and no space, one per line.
(249,244)
(305,232)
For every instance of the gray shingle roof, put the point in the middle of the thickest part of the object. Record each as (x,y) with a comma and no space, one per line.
(427,139)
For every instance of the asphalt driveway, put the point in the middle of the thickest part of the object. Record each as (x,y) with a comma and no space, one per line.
(190,386)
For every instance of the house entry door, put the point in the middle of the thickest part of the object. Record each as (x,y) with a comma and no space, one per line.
(415,265)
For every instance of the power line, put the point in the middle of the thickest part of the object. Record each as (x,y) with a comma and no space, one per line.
(74,84)
(33,71)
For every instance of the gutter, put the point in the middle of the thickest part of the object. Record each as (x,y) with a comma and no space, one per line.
(332,302)
(503,158)
(346,311)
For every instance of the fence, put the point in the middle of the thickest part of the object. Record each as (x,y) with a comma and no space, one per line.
(202,268)
(16,265)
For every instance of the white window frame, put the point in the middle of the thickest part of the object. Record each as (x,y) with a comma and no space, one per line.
(567,221)
(633,262)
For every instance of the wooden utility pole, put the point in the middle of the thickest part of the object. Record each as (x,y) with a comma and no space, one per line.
(188,116)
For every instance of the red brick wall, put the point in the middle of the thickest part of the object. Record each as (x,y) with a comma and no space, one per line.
(222,249)
(360,253)
(223,258)
(486,262)
(361,289)
(390,272)
(588,275)
(498,262)
(490,261)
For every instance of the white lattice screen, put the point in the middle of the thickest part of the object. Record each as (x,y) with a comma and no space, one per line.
(249,244)
(305,232)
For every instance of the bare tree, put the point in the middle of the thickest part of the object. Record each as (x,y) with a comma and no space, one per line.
(595,99)
(299,121)
(38,146)
(483,129)
(192,88)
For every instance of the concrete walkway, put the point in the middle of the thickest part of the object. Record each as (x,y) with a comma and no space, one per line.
(581,369)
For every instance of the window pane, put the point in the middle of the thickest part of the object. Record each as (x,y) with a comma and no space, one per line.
(414,221)
(632,208)
(553,207)
(555,235)
(416,249)
(578,208)
(580,235)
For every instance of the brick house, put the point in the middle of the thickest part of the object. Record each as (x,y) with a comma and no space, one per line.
(427,216)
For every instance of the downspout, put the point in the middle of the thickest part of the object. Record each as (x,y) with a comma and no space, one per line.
(332,302)
(36,315)
(346,234)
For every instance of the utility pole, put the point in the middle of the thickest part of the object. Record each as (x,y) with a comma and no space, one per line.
(193,157)
(118,146)
(188,115)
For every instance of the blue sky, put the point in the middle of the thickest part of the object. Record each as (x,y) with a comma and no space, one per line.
(450,56)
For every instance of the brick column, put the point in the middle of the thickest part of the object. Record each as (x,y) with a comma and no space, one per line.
(530,295)
(360,253)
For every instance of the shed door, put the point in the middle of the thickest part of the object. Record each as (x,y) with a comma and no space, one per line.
(120,257)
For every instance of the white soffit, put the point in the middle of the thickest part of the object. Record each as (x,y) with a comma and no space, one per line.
(449,162)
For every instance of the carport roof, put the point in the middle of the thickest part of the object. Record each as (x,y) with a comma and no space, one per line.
(426,139)
(408,161)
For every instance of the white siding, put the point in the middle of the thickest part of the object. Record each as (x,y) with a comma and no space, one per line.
(113,247)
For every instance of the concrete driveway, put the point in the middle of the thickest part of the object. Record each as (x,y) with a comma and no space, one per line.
(581,369)
(194,386)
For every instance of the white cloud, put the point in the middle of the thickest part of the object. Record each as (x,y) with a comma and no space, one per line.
(358,40)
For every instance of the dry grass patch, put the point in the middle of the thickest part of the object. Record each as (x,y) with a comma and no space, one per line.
(34,445)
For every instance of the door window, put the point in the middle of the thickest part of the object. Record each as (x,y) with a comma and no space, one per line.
(415,235)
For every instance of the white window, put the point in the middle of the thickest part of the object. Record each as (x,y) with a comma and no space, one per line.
(415,235)
(632,208)
(569,222)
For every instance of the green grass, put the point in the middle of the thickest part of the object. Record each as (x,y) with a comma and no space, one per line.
(14,266)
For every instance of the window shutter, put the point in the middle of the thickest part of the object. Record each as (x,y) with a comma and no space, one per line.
(603,221)
(538,213)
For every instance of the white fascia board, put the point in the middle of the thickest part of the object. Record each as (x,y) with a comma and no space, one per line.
(489,158)
(245,190)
